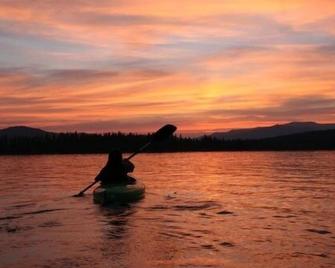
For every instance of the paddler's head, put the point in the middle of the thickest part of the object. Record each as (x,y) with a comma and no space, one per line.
(115,157)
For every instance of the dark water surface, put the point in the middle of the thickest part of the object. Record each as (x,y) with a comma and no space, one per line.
(264,209)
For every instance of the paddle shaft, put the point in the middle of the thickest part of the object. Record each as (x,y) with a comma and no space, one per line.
(139,150)
(88,187)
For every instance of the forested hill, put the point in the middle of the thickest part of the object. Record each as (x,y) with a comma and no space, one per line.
(52,143)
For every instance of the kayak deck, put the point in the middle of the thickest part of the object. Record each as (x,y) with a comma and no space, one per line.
(118,193)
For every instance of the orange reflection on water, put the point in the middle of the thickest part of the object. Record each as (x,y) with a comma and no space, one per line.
(231,209)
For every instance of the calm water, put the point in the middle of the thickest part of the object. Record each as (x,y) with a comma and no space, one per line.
(273,209)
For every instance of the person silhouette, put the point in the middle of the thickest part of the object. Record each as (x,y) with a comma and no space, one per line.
(116,170)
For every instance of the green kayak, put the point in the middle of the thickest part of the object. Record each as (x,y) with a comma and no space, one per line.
(118,193)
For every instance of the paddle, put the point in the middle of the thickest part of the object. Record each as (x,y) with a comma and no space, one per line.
(160,135)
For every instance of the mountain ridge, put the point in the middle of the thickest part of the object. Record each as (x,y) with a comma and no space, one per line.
(23,132)
(276,130)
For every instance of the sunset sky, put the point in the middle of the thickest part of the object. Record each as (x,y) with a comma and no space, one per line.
(101,66)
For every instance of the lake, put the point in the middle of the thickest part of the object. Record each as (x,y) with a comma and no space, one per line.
(226,209)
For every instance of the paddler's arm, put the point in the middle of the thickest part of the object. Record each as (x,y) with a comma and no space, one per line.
(128,166)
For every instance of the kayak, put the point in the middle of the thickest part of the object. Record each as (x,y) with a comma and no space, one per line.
(115,193)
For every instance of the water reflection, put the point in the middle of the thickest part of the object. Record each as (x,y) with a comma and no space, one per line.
(115,231)
(200,209)
(116,218)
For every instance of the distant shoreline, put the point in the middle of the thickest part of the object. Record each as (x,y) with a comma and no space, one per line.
(79,143)
(172,152)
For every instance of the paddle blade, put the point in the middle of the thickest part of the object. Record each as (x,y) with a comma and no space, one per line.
(164,132)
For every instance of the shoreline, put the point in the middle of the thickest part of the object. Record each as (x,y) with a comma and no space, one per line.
(173,152)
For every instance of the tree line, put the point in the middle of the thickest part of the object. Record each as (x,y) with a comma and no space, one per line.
(82,143)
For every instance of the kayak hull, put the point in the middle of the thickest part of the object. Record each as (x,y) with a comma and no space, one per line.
(118,193)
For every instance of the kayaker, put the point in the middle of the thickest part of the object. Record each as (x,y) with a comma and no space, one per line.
(116,170)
